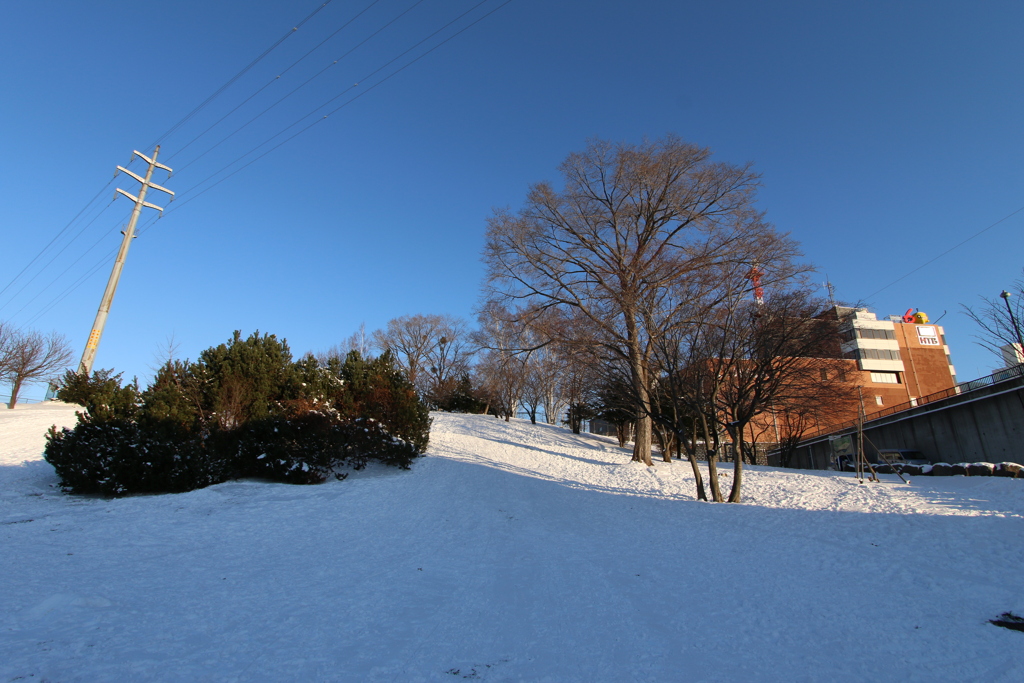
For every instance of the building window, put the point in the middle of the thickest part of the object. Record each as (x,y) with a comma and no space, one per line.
(878,354)
(885,377)
(878,400)
(824,374)
(868,333)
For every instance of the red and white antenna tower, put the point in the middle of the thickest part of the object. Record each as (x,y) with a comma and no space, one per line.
(755,275)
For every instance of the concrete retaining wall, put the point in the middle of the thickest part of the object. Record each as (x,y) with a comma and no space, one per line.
(984,425)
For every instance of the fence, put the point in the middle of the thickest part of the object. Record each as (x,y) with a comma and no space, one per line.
(962,388)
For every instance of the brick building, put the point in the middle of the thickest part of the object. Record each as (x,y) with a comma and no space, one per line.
(895,360)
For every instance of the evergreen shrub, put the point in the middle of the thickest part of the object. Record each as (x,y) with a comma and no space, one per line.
(461,397)
(244,409)
(116,456)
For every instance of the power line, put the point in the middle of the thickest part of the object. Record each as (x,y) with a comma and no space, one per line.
(99,264)
(345,104)
(57,236)
(955,246)
(274,79)
(234,78)
(303,84)
(55,256)
(73,286)
(170,131)
(70,267)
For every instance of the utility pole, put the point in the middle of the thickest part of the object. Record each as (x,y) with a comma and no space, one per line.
(831,289)
(89,355)
(1013,321)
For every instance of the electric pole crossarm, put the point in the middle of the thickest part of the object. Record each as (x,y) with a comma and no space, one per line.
(136,199)
(143,181)
(162,189)
(122,169)
(151,162)
(129,195)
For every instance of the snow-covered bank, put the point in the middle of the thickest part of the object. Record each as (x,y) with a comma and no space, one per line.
(512,552)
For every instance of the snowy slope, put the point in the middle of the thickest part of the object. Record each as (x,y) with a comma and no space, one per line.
(512,552)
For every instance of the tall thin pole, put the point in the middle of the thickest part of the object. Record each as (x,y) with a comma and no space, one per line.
(1013,321)
(860,436)
(89,354)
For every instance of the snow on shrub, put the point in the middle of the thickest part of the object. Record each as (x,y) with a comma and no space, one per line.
(244,409)
(1009,469)
(116,457)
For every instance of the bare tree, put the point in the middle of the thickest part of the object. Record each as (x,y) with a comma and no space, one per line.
(358,341)
(630,223)
(32,357)
(1001,323)
(409,339)
(775,354)
(433,350)
(165,353)
(7,336)
(578,383)
(502,365)
(542,384)
(448,359)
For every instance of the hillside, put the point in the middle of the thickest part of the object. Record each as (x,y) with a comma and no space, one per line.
(510,552)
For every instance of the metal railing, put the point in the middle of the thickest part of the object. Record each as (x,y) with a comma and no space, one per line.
(959,389)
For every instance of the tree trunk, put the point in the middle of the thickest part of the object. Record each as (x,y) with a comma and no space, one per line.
(711,448)
(666,441)
(15,388)
(691,455)
(642,388)
(575,422)
(737,469)
(622,432)
(701,494)
(642,441)
(716,489)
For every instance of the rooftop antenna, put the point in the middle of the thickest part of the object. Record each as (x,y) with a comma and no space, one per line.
(831,289)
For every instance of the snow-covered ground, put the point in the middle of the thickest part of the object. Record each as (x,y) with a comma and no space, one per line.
(512,552)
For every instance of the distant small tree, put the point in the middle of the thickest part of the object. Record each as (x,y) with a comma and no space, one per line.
(615,403)
(432,350)
(463,398)
(502,363)
(997,328)
(359,340)
(32,356)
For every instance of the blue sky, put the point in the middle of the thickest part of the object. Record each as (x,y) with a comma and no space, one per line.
(885,133)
